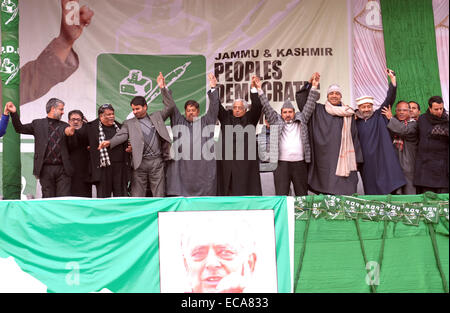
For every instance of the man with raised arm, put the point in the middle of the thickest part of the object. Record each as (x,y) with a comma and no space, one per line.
(294,148)
(381,172)
(192,171)
(335,148)
(238,167)
(52,164)
(150,144)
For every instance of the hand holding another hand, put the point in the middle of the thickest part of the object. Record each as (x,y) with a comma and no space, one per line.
(386,111)
(9,108)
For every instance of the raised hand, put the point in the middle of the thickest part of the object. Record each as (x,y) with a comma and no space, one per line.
(256,81)
(315,79)
(312,77)
(9,108)
(392,76)
(160,80)
(212,80)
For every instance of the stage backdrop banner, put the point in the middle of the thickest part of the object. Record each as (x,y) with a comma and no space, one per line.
(127,43)
(130,245)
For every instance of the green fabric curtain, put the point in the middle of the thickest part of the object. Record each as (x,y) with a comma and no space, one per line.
(359,255)
(410,43)
(10,75)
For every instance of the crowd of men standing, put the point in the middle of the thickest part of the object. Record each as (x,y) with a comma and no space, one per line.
(320,148)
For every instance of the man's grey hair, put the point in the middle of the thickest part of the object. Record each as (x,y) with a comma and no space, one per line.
(238,229)
(246,105)
(53,102)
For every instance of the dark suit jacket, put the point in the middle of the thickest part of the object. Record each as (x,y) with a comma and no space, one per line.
(88,136)
(39,129)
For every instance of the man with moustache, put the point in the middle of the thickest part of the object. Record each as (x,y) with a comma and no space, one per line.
(79,156)
(404,134)
(219,257)
(192,171)
(238,164)
(109,171)
(381,172)
(52,164)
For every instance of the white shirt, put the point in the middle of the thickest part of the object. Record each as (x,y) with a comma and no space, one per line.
(291,147)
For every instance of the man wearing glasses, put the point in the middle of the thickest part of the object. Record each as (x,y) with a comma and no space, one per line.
(109,165)
(79,155)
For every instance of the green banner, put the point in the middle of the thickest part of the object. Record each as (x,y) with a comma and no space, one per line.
(121,77)
(150,245)
(371,244)
(410,43)
(10,75)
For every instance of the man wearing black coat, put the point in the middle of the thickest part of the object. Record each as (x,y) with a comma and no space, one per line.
(79,155)
(238,165)
(109,167)
(431,172)
(52,164)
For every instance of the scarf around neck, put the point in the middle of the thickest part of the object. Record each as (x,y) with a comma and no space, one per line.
(347,157)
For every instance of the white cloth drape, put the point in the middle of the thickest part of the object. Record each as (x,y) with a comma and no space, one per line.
(369,58)
(440,9)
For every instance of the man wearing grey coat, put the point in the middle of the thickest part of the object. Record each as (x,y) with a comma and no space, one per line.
(150,142)
(405,137)
(294,148)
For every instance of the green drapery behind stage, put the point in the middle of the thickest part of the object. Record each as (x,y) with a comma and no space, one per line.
(338,253)
(410,43)
(10,75)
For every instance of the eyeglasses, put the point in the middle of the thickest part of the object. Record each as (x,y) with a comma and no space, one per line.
(76,119)
(107,106)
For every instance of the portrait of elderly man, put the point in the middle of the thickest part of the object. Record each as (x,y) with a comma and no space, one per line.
(223,261)
(217,251)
